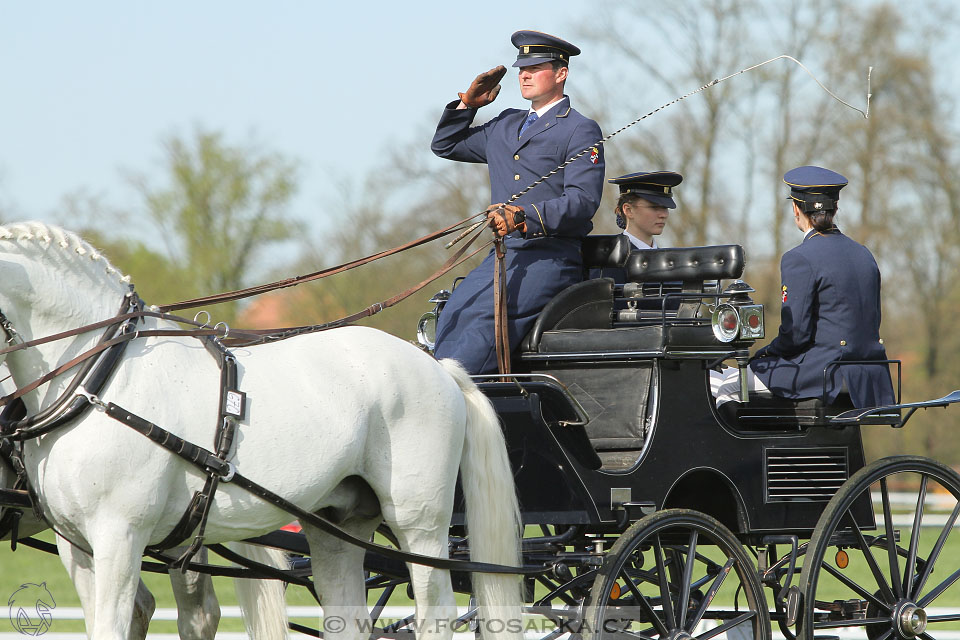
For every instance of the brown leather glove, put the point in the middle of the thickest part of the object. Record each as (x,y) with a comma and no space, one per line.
(484,88)
(506,218)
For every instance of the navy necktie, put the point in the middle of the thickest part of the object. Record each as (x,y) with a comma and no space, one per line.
(529,121)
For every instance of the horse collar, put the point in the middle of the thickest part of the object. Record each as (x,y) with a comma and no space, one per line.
(89,381)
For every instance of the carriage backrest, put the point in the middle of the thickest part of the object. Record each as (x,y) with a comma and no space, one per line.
(686,264)
(686,269)
(605,251)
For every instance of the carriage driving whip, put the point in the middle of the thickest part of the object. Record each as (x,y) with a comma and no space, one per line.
(714,82)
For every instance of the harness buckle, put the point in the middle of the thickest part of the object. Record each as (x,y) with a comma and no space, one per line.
(99,404)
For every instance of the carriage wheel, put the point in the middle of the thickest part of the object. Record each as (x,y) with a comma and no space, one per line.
(888,578)
(674,575)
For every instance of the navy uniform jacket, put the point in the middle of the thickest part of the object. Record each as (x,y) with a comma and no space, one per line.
(559,212)
(831,311)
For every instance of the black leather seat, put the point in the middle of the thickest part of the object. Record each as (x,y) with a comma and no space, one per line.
(585,305)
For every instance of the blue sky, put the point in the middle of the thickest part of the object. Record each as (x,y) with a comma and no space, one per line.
(91,88)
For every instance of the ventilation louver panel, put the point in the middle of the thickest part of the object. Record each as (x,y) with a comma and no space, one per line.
(804,475)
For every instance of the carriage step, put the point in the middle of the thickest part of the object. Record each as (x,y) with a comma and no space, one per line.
(826,637)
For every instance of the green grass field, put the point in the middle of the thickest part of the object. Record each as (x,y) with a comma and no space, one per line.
(29,565)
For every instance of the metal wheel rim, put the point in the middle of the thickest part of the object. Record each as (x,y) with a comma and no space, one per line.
(642,606)
(896,593)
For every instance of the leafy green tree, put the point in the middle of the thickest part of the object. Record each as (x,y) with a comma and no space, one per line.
(221,208)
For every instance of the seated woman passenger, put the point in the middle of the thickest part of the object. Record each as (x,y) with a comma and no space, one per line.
(831,309)
(642,211)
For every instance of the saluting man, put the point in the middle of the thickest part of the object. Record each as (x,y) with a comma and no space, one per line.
(831,308)
(544,227)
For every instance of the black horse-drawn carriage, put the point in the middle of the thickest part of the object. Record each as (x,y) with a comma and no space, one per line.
(659,512)
(652,514)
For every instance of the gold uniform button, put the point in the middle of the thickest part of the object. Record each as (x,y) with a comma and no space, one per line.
(843,343)
(516,176)
(881,340)
(517,157)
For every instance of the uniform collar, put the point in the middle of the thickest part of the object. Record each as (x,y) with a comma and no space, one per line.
(640,244)
(542,110)
(814,232)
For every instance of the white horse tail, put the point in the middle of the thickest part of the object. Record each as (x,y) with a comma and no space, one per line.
(262,602)
(493,513)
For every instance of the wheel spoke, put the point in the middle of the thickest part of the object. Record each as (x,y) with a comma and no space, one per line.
(871,561)
(937,548)
(939,589)
(664,584)
(382,602)
(949,617)
(910,568)
(712,593)
(860,591)
(684,595)
(642,602)
(894,561)
(726,626)
(886,634)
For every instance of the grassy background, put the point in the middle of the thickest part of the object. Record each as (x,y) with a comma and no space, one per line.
(29,565)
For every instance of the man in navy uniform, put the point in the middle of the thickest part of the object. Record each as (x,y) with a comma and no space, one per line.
(544,227)
(830,311)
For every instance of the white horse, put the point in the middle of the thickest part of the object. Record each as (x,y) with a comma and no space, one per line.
(351,423)
(198,610)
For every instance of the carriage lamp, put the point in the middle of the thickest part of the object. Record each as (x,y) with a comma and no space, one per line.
(427,325)
(726,323)
(751,321)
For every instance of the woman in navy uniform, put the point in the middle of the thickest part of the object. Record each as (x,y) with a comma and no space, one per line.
(644,204)
(830,310)
(646,198)
(544,227)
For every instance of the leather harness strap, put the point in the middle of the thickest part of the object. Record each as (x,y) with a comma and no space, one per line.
(215,465)
(500,327)
(208,461)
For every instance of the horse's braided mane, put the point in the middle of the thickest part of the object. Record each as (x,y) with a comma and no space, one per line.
(38,237)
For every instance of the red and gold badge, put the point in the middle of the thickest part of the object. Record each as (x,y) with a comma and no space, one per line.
(784,293)
(594,155)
